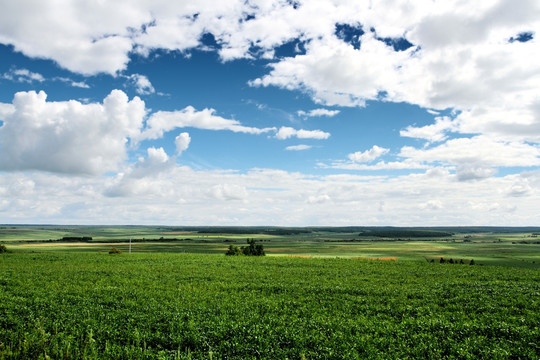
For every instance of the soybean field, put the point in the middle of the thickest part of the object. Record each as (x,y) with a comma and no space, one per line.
(92,305)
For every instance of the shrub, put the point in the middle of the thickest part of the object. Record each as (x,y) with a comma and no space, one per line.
(3,249)
(234,250)
(251,250)
(115,251)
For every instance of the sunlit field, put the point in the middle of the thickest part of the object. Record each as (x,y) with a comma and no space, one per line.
(316,295)
(74,305)
(485,247)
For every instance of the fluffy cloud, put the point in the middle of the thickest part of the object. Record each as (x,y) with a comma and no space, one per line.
(68,136)
(477,150)
(286,132)
(182,142)
(432,133)
(368,155)
(465,56)
(180,195)
(143,86)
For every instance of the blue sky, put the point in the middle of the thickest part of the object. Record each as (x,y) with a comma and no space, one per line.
(270,113)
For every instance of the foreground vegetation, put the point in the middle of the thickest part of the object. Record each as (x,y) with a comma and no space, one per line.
(144,306)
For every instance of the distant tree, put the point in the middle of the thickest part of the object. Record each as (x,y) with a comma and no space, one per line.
(3,248)
(442,261)
(253,249)
(451,261)
(472,262)
(234,251)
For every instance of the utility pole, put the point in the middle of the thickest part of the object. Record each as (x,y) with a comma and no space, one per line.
(130,245)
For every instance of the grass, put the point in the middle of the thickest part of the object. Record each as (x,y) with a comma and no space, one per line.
(485,249)
(59,304)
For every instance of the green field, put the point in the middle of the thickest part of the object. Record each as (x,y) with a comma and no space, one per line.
(189,306)
(488,246)
(321,293)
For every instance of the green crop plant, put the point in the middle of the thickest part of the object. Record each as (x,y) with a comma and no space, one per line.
(69,305)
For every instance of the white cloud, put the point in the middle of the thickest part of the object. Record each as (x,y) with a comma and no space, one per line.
(143,86)
(432,205)
(477,150)
(461,60)
(22,75)
(180,195)
(466,172)
(368,155)
(406,164)
(182,142)
(461,56)
(298,147)
(318,112)
(27,76)
(286,132)
(228,192)
(80,84)
(164,121)
(318,199)
(157,156)
(432,133)
(68,136)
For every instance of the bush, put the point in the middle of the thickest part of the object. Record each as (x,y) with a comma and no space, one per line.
(251,250)
(234,251)
(3,249)
(115,251)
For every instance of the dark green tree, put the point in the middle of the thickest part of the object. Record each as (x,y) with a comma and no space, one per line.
(234,250)
(3,248)
(253,249)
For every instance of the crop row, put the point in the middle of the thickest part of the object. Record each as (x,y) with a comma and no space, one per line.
(146,306)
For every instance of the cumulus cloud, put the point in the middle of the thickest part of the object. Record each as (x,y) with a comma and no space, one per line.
(180,195)
(286,132)
(432,133)
(477,150)
(68,136)
(182,142)
(478,59)
(368,155)
(466,172)
(318,112)
(142,85)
